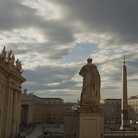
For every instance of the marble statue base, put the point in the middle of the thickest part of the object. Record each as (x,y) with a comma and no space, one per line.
(91,122)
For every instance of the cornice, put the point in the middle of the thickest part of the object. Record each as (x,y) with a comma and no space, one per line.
(4,67)
(15,74)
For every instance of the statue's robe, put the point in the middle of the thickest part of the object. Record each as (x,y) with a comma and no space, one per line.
(91,85)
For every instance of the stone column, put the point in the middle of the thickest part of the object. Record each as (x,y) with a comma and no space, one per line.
(1,104)
(14,114)
(10,112)
(18,110)
(4,113)
(30,113)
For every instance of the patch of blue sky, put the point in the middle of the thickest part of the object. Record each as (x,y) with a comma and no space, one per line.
(33,55)
(33,61)
(8,36)
(33,39)
(1,38)
(114,51)
(80,52)
(23,60)
(23,37)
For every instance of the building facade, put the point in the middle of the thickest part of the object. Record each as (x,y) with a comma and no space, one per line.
(112,110)
(71,124)
(133,109)
(38,110)
(53,110)
(10,94)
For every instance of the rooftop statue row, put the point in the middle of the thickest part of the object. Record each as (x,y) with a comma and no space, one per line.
(10,59)
(26,94)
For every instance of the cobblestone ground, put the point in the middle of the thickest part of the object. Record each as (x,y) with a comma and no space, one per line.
(120,136)
(45,127)
(53,127)
(25,128)
(36,132)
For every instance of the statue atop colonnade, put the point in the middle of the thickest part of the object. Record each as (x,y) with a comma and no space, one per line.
(10,60)
(11,81)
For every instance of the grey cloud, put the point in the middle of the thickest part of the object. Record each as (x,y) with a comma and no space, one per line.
(58,31)
(47,50)
(132,63)
(55,94)
(113,76)
(67,96)
(15,15)
(116,19)
(17,48)
(40,77)
(52,50)
(134,80)
(65,85)
(110,87)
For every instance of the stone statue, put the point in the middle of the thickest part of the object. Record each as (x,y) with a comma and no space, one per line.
(3,55)
(13,59)
(9,56)
(90,95)
(25,92)
(18,64)
(31,94)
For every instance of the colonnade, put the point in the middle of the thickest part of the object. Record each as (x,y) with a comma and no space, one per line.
(26,114)
(9,111)
(10,97)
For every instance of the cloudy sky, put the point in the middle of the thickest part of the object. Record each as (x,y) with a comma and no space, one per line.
(53,39)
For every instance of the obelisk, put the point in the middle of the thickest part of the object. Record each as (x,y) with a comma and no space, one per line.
(124,108)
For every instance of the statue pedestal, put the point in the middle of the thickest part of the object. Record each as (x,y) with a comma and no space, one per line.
(91,123)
